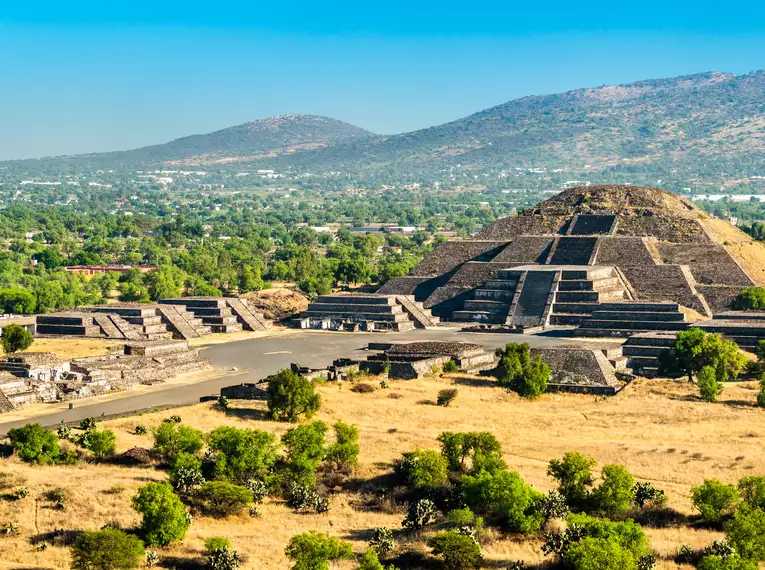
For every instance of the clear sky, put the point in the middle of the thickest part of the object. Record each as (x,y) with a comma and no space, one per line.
(79,76)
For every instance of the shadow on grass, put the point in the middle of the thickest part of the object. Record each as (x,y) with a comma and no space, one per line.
(58,537)
(178,563)
(253,414)
(476,382)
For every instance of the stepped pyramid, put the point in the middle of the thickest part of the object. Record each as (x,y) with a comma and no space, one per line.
(610,260)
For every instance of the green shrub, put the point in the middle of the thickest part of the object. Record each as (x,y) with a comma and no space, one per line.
(646,495)
(140,430)
(504,494)
(554,506)
(222,403)
(599,554)
(752,491)
(305,498)
(313,550)
(101,444)
(186,473)
(694,349)
(419,514)
(518,372)
(15,338)
(164,518)
(451,366)
(382,541)
(304,447)
(614,495)
(214,543)
(241,454)
(750,299)
(471,452)
(259,490)
(733,562)
(761,394)
(291,396)
(221,499)
(171,439)
(709,386)
(574,476)
(370,561)
(107,549)
(458,551)
(344,453)
(746,533)
(222,559)
(714,500)
(35,444)
(422,468)
(446,396)
(628,534)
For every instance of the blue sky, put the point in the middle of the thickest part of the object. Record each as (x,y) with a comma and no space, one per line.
(91,76)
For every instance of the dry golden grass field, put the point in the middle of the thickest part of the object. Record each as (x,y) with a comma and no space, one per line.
(657,428)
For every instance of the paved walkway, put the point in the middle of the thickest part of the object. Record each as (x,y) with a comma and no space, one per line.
(266,355)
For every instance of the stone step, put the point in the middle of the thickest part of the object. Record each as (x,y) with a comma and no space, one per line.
(248,318)
(493,294)
(636,316)
(636,362)
(635,306)
(575,308)
(487,306)
(619,362)
(634,325)
(417,313)
(639,350)
(575,285)
(356,300)
(576,297)
(383,317)
(478,317)
(567,320)
(500,284)
(651,339)
(574,274)
(348,308)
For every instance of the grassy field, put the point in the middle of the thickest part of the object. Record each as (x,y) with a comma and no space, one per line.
(657,428)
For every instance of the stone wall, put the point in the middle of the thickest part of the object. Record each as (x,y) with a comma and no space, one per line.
(710,264)
(719,298)
(664,283)
(448,298)
(474,273)
(662,226)
(526,249)
(623,251)
(581,367)
(451,254)
(532,224)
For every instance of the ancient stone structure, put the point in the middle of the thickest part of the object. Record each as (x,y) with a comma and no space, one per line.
(184,318)
(407,361)
(42,377)
(611,260)
(578,369)
(358,311)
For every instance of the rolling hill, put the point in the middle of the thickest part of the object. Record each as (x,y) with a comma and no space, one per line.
(697,125)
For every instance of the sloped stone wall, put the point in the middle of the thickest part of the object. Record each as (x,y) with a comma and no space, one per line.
(662,226)
(451,254)
(623,251)
(663,283)
(710,264)
(532,224)
(474,273)
(719,298)
(526,249)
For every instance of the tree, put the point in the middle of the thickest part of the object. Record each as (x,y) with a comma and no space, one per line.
(164,282)
(615,494)
(171,439)
(101,443)
(18,301)
(422,468)
(714,499)
(709,387)
(694,349)
(241,454)
(313,550)
(574,476)
(164,516)
(460,552)
(471,452)
(305,450)
(506,495)
(107,549)
(732,562)
(750,299)
(752,491)
(35,444)
(291,396)
(221,499)
(599,554)
(746,533)
(15,338)
(344,453)
(518,372)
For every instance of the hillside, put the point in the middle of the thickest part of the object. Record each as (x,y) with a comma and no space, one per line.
(256,140)
(708,126)
(695,121)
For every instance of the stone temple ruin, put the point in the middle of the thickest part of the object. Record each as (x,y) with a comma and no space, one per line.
(359,311)
(183,318)
(608,260)
(42,377)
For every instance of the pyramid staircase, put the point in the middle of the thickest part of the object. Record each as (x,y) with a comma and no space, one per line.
(182,323)
(214,312)
(421,316)
(249,319)
(581,292)
(632,317)
(491,301)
